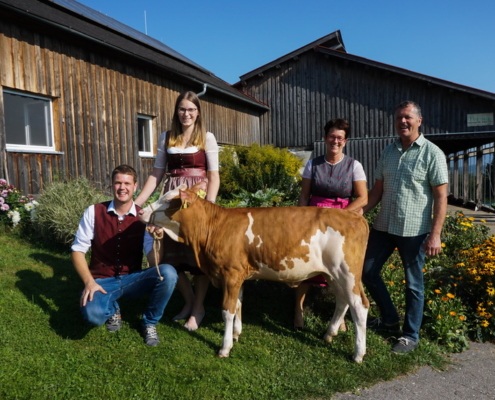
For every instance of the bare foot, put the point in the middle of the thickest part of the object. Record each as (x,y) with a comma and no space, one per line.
(185,313)
(194,321)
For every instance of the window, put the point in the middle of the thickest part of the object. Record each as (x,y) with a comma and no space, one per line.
(145,135)
(28,122)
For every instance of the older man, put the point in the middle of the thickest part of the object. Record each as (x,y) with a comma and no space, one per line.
(411,184)
(115,235)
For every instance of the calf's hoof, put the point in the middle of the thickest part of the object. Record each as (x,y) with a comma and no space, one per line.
(223,353)
(328,338)
(358,359)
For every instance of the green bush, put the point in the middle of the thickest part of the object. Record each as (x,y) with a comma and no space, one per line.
(258,168)
(61,205)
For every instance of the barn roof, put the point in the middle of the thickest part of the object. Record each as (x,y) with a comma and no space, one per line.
(332,45)
(428,79)
(74,18)
(332,41)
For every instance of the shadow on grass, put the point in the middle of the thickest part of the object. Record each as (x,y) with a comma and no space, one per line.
(270,305)
(57,296)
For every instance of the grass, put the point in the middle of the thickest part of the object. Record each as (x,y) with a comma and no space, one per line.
(46,352)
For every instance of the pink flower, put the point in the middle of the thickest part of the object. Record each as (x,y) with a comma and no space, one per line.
(4,207)
(3,182)
(2,200)
(4,193)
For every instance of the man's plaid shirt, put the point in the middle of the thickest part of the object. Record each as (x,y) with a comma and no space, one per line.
(408,177)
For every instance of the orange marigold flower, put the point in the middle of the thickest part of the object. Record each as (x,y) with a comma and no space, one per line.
(445,298)
(450,295)
(452,313)
(391,283)
(439,316)
(438,291)
(462,317)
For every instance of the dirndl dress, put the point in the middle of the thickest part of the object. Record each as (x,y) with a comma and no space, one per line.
(189,169)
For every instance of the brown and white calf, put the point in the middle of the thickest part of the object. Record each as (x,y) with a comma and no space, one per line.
(286,244)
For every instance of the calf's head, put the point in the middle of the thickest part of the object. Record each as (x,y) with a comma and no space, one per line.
(162,211)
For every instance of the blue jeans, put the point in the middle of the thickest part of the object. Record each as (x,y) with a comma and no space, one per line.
(380,246)
(137,284)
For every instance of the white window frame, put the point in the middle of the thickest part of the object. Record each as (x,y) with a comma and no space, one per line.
(149,122)
(48,117)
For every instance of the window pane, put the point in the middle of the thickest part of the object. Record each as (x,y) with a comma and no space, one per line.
(38,124)
(27,120)
(14,119)
(144,134)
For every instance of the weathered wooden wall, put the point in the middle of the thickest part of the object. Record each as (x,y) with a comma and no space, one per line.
(97,95)
(308,90)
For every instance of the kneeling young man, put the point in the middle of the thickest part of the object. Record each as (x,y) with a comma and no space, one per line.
(115,235)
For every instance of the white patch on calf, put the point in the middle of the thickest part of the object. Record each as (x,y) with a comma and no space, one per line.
(249,232)
(171,228)
(325,249)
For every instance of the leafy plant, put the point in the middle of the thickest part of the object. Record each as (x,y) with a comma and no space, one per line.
(262,198)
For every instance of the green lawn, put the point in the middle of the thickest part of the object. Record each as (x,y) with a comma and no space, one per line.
(46,352)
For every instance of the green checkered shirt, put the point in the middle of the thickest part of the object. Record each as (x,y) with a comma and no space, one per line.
(408,177)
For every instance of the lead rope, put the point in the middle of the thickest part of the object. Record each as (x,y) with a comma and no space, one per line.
(157,237)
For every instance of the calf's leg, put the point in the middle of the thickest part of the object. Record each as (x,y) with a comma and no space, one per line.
(229,306)
(341,307)
(238,316)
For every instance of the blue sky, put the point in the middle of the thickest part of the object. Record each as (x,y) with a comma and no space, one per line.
(452,40)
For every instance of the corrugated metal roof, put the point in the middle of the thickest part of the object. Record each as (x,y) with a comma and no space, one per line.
(117,26)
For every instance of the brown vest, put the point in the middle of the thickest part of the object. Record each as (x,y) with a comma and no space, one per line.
(117,246)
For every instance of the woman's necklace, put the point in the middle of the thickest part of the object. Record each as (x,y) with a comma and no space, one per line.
(336,162)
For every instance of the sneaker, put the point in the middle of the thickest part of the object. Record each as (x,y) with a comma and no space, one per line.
(404,346)
(114,323)
(378,325)
(150,335)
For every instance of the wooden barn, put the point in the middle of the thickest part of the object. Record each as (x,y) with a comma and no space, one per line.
(320,81)
(82,93)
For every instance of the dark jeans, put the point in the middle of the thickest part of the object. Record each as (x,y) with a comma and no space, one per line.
(133,285)
(380,246)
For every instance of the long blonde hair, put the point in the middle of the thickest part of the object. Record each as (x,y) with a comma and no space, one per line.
(175,136)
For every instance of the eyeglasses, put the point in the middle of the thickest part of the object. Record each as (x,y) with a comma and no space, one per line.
(189,110)
(336,138)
